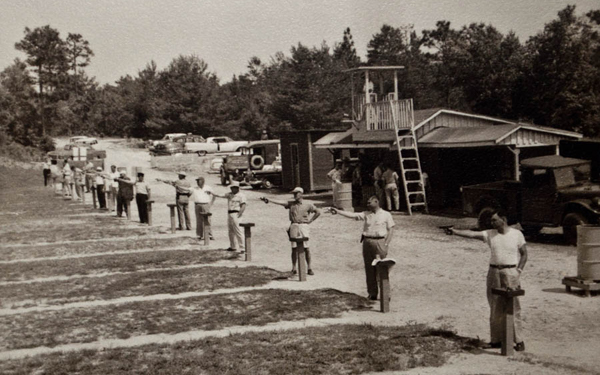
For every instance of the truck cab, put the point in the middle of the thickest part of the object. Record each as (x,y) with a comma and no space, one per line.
(554,191)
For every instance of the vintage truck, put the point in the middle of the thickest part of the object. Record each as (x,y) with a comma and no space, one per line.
(554,191)
(258,165)
(79,155)
(214,145)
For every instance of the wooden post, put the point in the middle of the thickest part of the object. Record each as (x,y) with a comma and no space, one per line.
(81,188)
(172,208)
(301,257)
(205,227)
(149,209)
(94,197)
(127,209)
(383,274)
(248,239)
(73,192)
(508,338)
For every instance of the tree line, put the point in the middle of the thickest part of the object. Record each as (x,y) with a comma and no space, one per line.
(552,79)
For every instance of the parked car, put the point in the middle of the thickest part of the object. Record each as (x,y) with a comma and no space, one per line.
(214,145)
(554,191)
(176,145)
(168,138)
(258,165)
(83,140)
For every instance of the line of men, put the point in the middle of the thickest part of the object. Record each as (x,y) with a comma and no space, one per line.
(203,197)
(508,253)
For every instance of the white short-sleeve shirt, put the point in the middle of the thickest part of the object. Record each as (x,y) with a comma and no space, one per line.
(504,247)
(377,223)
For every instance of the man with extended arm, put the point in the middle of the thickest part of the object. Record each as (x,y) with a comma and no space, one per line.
(236,205)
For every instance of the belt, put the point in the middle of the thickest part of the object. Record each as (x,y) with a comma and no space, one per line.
(502,266)
(232,211)
(202,203)
(373,238)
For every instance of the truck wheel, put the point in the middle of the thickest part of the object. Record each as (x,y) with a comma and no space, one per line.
(570,223)
(257,162)
(484,220)
(202,153)
(267,184)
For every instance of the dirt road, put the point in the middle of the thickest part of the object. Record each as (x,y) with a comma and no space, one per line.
(438,280)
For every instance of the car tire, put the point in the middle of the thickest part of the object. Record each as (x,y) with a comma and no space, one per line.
(267,184)
(570,223)
(202,153)
(484,219)
(257,162)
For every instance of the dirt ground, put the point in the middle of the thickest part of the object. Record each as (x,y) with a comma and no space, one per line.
(438,280)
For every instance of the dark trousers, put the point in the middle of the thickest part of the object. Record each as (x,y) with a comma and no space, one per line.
(123,205)
(140,200)
(46,176)
(372,248)
(101,196)
(183,212)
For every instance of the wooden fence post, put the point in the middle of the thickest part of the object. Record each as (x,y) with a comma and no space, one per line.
(383,273)
(301,257)
(206,227)
(172,213)
(508,338)
(149,209)
(248,239)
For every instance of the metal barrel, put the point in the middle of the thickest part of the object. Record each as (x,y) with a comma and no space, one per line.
(588,252)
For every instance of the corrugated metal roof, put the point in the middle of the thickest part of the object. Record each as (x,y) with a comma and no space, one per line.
(551,161)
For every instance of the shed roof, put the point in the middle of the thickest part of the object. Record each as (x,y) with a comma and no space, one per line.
(456,137)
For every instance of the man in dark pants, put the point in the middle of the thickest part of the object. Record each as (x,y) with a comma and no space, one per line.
(141,197)
(183,190)
(124,195)
(376,236)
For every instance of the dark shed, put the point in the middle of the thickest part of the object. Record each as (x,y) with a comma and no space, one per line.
(303,164)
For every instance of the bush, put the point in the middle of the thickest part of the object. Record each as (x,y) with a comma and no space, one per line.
(46,144)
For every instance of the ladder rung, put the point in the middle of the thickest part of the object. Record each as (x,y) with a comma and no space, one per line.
(407,148)
(412,170)
(416,193)
(410,159)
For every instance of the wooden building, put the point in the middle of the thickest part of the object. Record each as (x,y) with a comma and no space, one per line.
(302,163)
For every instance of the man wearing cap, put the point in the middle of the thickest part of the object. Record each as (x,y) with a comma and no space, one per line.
(236,204)
(182,198)
(125,194)
(300,218)
(142,194)
(376,236)
(99,184)
(203,198)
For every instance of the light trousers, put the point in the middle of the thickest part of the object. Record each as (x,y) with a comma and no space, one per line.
(236,237)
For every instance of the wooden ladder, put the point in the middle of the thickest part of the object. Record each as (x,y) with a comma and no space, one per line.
(410,165)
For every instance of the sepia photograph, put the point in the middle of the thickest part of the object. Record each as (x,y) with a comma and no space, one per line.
(299,187)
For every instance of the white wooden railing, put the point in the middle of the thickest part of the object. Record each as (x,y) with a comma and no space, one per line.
(379,115)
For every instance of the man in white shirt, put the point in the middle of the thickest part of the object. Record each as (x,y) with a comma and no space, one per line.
(142,194)
(236,205)
(507,260)
(335,175)
(203,198)
(113,188)
(376,236)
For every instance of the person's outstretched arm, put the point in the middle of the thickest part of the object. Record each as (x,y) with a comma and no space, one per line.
(468,233)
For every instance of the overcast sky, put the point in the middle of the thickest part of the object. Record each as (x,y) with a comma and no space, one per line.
(127,34)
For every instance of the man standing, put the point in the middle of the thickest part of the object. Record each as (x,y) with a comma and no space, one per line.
(202,196)
(46,172)
(55,175)
(182,198)
(300,218)
(236,204)
(376,236)
(89,175)
(125,194)
(508,258)
(390,186)
(335,175)
(377,181)
(142,194)
(99,184)
(112,187)
(67,178)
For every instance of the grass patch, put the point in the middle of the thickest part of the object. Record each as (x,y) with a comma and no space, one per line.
(333,350)
(215,312)
(112,263)
(98,247)
(133,284)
